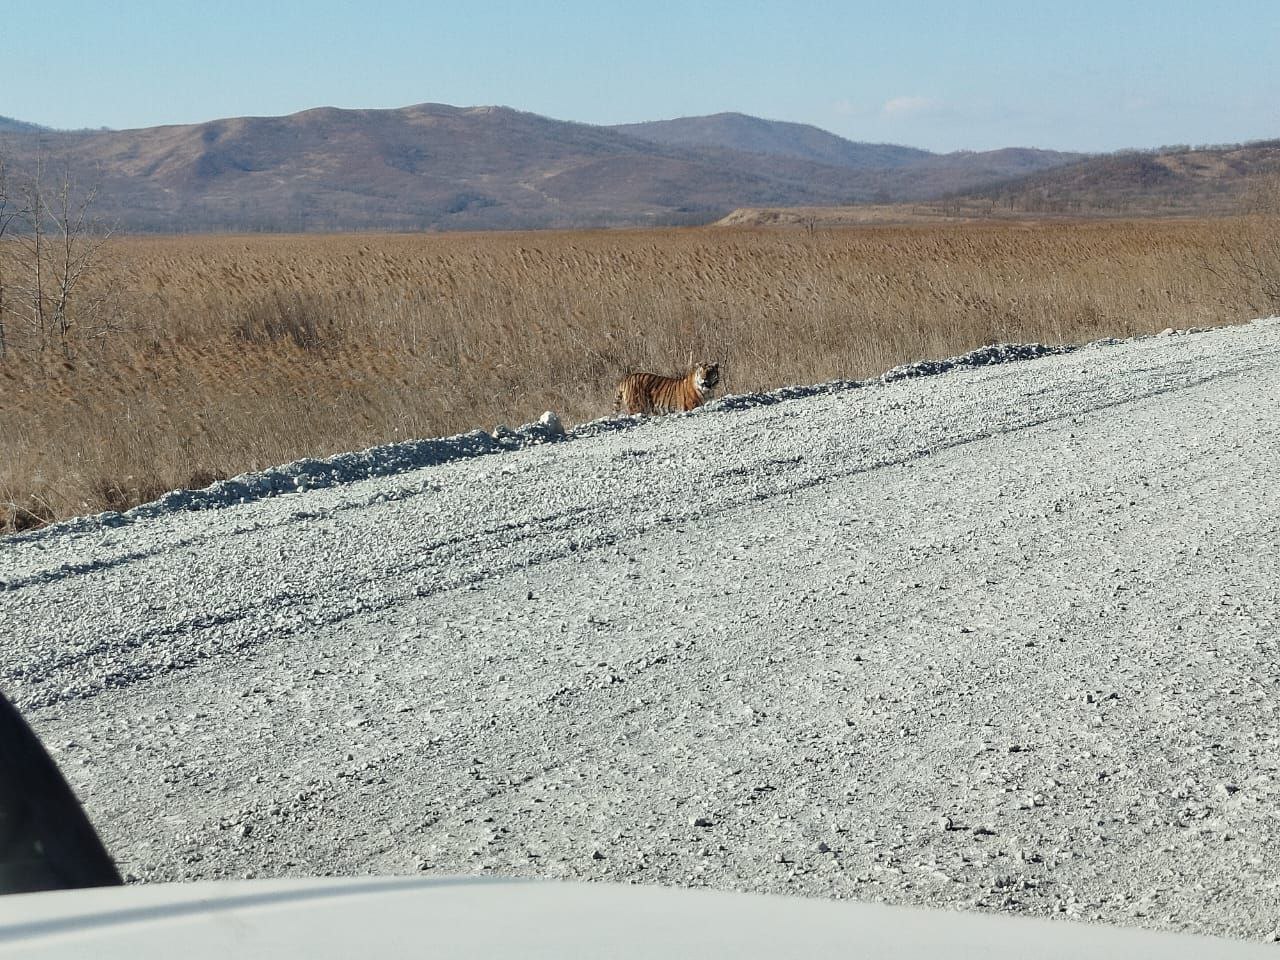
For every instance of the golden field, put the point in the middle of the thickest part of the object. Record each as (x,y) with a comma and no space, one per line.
(193,358)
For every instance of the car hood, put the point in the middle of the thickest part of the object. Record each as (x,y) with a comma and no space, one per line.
(488,918)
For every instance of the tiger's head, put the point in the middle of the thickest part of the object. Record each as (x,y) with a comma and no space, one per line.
(706,376)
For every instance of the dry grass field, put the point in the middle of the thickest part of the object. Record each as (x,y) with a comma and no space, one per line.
(201,357)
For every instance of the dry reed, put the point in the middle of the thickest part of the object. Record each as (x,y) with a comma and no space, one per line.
(220,354)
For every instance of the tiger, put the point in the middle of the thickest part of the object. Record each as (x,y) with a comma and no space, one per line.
(649,393)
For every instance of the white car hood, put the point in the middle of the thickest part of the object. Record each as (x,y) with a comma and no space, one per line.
(489,918)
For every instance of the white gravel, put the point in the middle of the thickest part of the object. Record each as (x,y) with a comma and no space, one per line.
(1002,638)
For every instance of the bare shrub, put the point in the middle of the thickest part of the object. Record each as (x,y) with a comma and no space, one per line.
(1250,261)
(49,240)
(30,513)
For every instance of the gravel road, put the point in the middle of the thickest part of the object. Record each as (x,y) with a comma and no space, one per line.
(1004,638)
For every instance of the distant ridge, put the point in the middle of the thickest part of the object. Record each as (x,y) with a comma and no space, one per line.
(10,125)
(737,131)
(440,167)
(1171,181)
(1222,180)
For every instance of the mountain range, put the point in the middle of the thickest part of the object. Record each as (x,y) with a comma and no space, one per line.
(1172,181)
(440,167)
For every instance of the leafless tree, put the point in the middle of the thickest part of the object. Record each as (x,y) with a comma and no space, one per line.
(49,238)
(1250,263)
(7,215)
(1261,260)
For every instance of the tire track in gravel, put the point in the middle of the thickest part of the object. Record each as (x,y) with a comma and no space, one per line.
(908,645)
(44,683)
(979,360)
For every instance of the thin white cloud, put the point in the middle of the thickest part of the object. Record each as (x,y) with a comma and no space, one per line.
(910,106)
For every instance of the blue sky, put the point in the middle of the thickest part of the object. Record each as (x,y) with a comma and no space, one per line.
(941,75)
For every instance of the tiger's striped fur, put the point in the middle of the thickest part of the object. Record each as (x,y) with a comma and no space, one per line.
(649,393)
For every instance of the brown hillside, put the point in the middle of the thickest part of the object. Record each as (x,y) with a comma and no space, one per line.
(439,167)
(1220,180)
